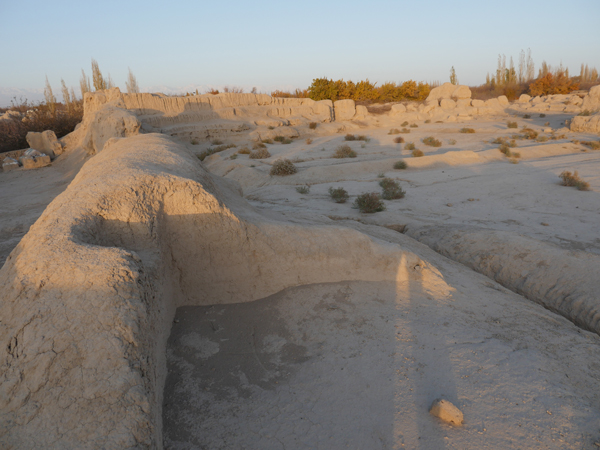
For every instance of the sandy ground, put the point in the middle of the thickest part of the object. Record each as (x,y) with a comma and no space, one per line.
(356,364)
(24,194)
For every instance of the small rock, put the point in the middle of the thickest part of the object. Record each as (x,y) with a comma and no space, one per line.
(446,411)
(448,204)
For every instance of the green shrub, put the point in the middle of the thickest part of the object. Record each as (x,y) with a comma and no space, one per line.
(349,137)
(394,131)
(344,151)
(283,167)
(466,130)
(339,195)
(409,146)
(303,189)
(312,125)
(417,153)
(261,153)
(400,165)
(391,189)
(369,203)
(512,125)
(398,140)
(432,142)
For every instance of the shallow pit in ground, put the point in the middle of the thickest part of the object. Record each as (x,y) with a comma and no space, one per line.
(357,365)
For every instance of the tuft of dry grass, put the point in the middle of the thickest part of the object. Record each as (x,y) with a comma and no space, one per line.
(349,137)
(404,124)
(400,165)
(512,125)
(409,146)
(417,153)
(594,145)
(283,167)
(399,140)
(432,142)
(466,130)
(344,151)
(244,151)
(414,125)
(394,131)
(261,153)
(303,189)
(404,130)
(572,179)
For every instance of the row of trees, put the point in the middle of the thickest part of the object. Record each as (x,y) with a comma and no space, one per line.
(365,91)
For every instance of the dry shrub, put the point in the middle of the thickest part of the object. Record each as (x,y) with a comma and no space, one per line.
(409,146)
(404,124)
(594,145)
(432,142)
(466,130)
(414,125)
(417,153)
(211,151)
(572,179)
(308,141)
(526,116)
(283,167)
(542,139)
(344,151)
(244,151)
(369,203)
(528,133)
(339,195)
(349,137)
(505,149)
(399,140)
(404,130)
(216,142)
(391,189)
(258,145)
(512,125)
(279,138)
(261,153)
(400,165)
(362,137)
(312,125)
(394,131)
(267,141)
(303,189)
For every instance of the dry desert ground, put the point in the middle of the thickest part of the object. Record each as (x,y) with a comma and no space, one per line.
(161,289)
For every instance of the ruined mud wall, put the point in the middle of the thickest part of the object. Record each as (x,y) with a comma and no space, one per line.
(89,294)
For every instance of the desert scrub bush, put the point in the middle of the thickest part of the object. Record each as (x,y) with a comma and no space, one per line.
(308,141)
(417,153)
(400,165)
(542,139)
(362,137)
(428,121)
(303,189)
(279,138)
(271,127)
(287,141)
(260,153)
(267,141)
(216,142)
(391,189)
(516,154)
(409,146)
(258,145)
(452,141)
(399,140)
(432,142)
(528,133)
(505,149)
(283,167)
(312,125)
(394,131)
(349,137)
(585,112)
(403,124)
(414,125)
(594,145)
(344,151)
(572,179)
(369,203)
(542,115)
(194,141)
(466,130)
(404,130)
(234,156)
(512,125)
(526,116)
(499,140)
(339,195)
(244,151)
(513,160)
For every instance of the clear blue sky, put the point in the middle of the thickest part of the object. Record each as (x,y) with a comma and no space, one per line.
(283,44)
